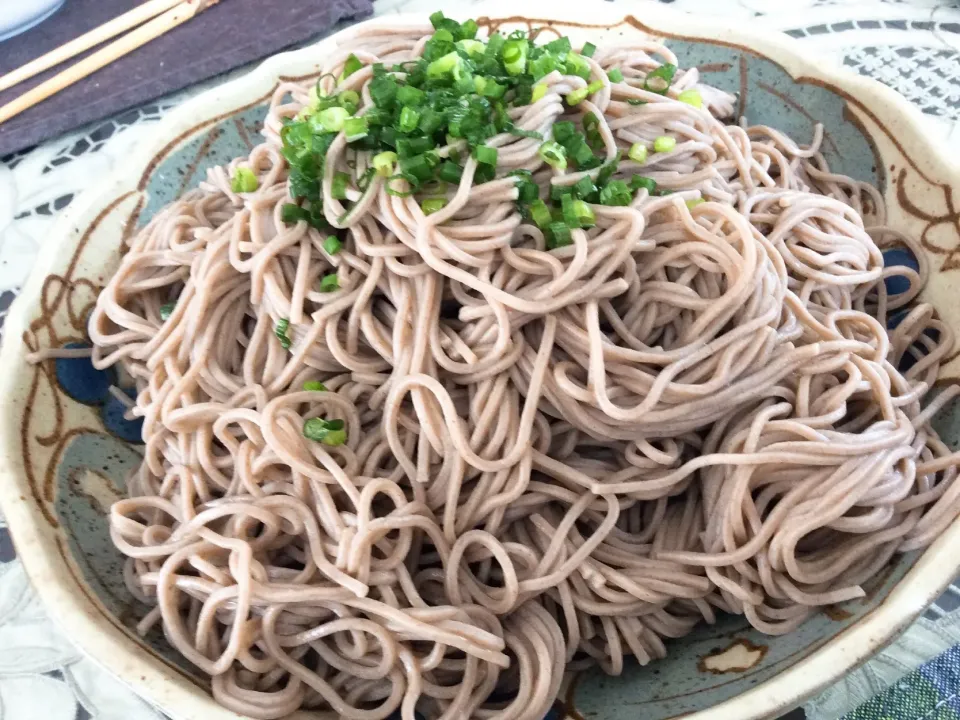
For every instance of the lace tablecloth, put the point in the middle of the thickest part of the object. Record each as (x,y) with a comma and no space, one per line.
(911,45)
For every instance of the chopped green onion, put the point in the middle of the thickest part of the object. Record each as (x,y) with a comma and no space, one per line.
(570,216)
(560,46)
(328,432)
(418,167)
(527,190)
(314,386)
(658,80)
(468,29)
(407,95)
(539,92)
(485,155)
(432,205)
(291,213)
(608,169)
(408,147)
(281,332)
(639,181)
(350,67)
(383,163)
(495,44)
(553,155)
(638,153)
(691,97)
(615,193)
(332,118)
(563,131)
(338,188)
(540,213)
(576,65)
(664,143)
(471,47)
(446,65)
(584,213)
(615,75)
(584,187)
(544,64)
(355,128)
(329,283)
(578,96)
(575,97)
(588,49)
(383,91)
(167,310)
(349,100)
(558,235)
(332,245)
(515,57)
(450,172)
(692,203)
(408,120)
(244,181)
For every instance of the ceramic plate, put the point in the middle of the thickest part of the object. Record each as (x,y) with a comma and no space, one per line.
(65,447)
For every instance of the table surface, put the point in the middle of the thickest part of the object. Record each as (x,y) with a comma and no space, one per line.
(911,45)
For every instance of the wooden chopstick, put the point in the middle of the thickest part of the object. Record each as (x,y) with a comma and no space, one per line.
(130,19)
(176,15)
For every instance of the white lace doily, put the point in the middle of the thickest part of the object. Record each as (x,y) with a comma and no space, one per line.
(911,45)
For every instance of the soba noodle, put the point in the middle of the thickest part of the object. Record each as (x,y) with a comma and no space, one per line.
(554,458)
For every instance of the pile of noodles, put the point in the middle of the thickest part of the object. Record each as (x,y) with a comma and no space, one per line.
(555,458)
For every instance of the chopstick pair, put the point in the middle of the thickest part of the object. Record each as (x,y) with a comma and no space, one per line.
(149,21)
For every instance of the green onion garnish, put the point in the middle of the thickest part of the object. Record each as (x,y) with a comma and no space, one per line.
(383,163)
(281,332)
(408,96)
(639,181)
(615,192)
(166,311)
(432,205)
(339,186)
(332,245)
(584,213)
(328,432)
(658,80)
(539,92)
(664,143)
(450,172)
(485,155)
(332,119)
(350,67)
(588,49)
(471,47)
(584,187)
(355,128)
(408,120)
(291,213)
(515,56)
(692,203)
(553,155)
(349,101)
(540,214)
(449,64)
(314,386)
(638,153)
(558,235)
(563,131)
(329,283)
(691,97)
(244,181)
(576,65)
(615,75)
